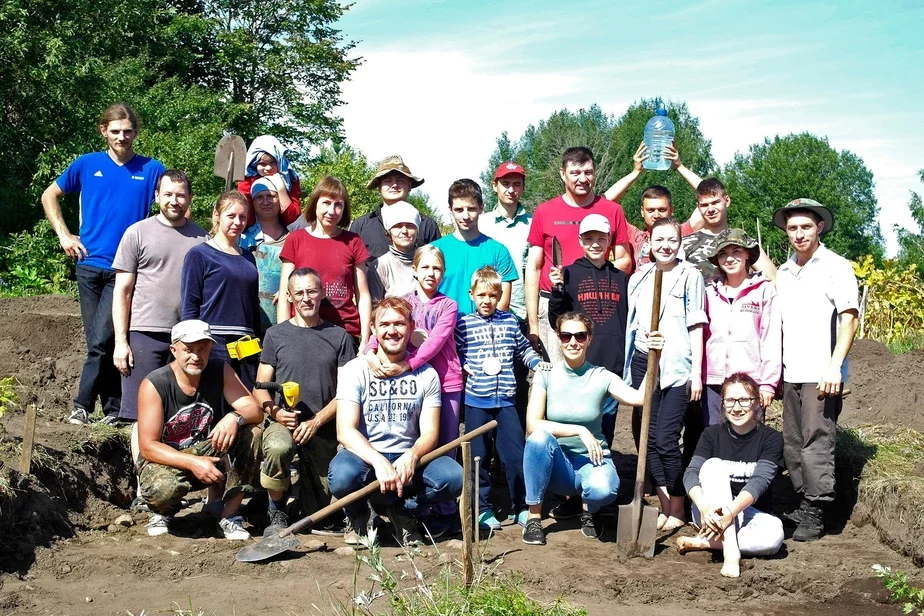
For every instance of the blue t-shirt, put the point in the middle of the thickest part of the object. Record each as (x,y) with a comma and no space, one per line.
(464,258)
(112,198)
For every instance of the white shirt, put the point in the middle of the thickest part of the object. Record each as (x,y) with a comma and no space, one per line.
(512,234)
(810,299)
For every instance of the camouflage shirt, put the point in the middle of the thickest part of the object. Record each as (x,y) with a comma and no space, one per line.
(696,249)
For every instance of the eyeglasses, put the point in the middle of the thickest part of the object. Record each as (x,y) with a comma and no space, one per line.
(566,337)
(312,293)
(744,403)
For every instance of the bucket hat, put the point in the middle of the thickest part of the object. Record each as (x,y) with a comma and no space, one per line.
(735,237)
(827,217)
(393,163)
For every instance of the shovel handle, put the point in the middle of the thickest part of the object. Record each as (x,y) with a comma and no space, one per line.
(374,486)
(651,376)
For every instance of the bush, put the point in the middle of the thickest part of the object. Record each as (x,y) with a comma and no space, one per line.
(894,311)
(32,263)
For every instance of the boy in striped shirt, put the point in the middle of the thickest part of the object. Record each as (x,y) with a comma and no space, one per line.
(489,341)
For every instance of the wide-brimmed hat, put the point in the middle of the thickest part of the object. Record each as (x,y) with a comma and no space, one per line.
(735,237)
(393,163)
(827,217)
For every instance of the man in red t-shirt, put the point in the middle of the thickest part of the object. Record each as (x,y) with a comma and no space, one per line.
(559,218)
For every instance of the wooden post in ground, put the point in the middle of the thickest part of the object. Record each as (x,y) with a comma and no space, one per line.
(477,506)
(28,438)
(465,510)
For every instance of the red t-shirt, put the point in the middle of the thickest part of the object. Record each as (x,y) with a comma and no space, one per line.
(640,242)
(289,215)
(555,218)
(335,259)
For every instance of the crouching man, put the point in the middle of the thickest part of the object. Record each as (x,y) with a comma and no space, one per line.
(184,445)
(385,427)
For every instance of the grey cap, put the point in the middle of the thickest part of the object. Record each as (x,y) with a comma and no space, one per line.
(827,217)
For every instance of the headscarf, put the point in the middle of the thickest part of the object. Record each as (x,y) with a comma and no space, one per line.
(262,185)
(267,144)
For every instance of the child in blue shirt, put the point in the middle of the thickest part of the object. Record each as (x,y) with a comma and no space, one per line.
(489,340)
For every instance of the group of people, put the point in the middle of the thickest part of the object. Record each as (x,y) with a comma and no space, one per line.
(397,337)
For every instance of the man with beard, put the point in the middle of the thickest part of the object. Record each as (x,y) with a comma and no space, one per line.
(184,445)
(116,190)
(146,302)
(385,426)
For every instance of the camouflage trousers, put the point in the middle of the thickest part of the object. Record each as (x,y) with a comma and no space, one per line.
(163,487)
(278,452)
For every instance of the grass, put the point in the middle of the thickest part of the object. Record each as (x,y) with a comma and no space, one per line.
(914,342)
(896,582)
(100,434)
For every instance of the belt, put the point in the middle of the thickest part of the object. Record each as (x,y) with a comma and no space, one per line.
(545,294)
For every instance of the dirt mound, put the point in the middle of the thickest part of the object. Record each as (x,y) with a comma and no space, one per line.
(886,388)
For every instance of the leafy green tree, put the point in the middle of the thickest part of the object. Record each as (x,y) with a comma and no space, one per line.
(777,171)
(613,142)
(910,244)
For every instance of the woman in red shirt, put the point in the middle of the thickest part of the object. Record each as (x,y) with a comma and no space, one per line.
(338,255)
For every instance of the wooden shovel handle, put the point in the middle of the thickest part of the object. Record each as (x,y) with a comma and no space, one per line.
(651,377)
(363,492)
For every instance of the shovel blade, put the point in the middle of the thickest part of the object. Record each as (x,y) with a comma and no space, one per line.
(230,144)
(636,530)
(267,548)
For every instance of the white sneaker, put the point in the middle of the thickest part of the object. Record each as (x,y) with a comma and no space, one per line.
(158,525)
(79,417)
(233,528)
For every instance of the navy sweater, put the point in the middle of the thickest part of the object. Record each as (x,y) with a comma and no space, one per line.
(221,289)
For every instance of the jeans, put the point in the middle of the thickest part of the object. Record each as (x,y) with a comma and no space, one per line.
(548,468)
(99,376)
(712,404)
(668,410)
(509,440)
(809,431)
(150,351)
(439,481)
(547,335)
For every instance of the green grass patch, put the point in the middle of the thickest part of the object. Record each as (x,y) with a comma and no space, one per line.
(901,591)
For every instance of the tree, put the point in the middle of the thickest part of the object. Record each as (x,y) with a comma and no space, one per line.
(777,171)
(613,142)
(910,244)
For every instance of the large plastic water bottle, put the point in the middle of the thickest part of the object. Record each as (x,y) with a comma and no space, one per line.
(659,133)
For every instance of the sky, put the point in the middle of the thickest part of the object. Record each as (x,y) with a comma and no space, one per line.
(442,79)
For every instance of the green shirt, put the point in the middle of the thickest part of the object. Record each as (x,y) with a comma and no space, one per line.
(576,397)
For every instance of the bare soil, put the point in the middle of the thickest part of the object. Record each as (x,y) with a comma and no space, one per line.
(61,554)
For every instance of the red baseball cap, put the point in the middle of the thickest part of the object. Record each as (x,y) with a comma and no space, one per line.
(511,168)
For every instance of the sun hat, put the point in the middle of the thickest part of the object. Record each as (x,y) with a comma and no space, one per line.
(393,163)
(735,237)
(827,217)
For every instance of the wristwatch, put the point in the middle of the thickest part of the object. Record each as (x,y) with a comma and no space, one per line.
(240,420)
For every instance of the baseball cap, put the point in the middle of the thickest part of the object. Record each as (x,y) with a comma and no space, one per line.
(398,212)
(594,222)
(511,168)
(192,330)
(261,185)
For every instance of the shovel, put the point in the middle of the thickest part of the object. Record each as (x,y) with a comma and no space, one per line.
(285,540)
(637,528)
(230,155)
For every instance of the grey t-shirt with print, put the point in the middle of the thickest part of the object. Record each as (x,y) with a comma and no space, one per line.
(389,408)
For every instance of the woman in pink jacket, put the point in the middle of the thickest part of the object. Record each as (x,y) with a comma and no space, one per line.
(744,333)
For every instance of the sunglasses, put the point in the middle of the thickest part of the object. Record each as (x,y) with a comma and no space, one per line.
(566,337)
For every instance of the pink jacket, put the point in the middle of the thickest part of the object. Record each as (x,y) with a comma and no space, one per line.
(744,334)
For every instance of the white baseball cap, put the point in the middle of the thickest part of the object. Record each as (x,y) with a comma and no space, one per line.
(192,330)
(594,222)
(398,212)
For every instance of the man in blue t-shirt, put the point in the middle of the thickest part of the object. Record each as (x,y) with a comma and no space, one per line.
(116,189)
(468,249)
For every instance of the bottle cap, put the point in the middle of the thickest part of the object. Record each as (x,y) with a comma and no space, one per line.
(661,111)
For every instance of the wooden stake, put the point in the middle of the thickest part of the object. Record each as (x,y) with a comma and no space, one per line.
(28,438)
(465,510)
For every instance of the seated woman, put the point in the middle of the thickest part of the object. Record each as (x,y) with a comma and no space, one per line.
(729,478)
(566,452)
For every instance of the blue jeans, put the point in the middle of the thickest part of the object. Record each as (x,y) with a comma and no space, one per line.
(548,468)
(439,481)
(99,376)
(510,440)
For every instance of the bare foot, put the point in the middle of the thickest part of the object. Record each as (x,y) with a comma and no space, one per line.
(731,568)
(662,520)
(673,523)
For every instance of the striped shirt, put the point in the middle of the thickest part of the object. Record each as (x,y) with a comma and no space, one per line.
(499,336)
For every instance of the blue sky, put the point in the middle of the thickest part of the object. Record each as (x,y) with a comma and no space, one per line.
(442,79)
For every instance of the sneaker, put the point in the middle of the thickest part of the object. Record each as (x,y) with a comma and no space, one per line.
(435,527)
(405,528)
(520,518)
(111,420)
(533,533)
(79,417)
(233,528)
(138,504)
(811,527)
(590,525)
(158,525)
(571,508)
(487,521)
(278,521)
(356,528)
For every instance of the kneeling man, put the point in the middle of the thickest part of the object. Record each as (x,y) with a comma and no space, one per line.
(184,445)
(385,427)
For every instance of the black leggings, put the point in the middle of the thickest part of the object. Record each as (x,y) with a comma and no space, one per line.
(668,409)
